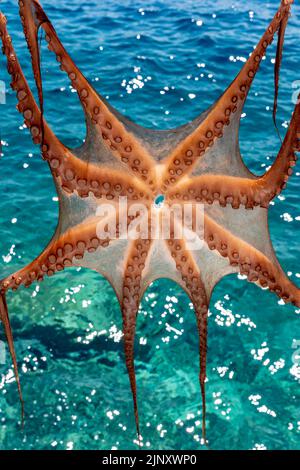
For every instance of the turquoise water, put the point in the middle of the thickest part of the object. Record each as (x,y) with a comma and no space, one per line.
(160,63)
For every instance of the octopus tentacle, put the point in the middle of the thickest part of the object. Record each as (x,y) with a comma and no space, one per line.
(247,192)
(31,26)
(9,336)
(59,254)
(195,288)
(66,247)
(183,159)
(84,177)
(52,149)
(63,249)
(277,176)
(278,60)
(226,190)
(250,262)
(26,101)
(74,173)
(132,291)
(123,144)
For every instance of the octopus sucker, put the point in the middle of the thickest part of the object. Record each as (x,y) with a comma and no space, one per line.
(118,190)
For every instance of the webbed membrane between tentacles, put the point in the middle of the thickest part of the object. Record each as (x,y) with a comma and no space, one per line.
(196,163)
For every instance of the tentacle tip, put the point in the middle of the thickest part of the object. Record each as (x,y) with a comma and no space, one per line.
(137,427)
(3,19)
(22,417)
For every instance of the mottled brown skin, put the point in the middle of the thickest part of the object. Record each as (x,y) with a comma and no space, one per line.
(196,163)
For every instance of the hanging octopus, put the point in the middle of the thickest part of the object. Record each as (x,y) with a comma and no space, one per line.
(199,163)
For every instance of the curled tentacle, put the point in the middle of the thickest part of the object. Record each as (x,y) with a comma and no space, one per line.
(185,156)
(130,304)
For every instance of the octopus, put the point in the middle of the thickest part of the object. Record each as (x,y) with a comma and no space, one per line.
(197,164)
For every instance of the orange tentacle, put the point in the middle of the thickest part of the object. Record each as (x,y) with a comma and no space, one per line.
(53,150)
(59,254)
(6,323)
(250,262)
(26,102)
(185,156)
(226,190)
(31,26)
(73,173)
(123,144)
(195,288)
(71,245)
(132,290)
(84,178)
(276,178)
(278,60)
(238,191)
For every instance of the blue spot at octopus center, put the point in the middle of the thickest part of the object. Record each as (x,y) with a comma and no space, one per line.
(159,201)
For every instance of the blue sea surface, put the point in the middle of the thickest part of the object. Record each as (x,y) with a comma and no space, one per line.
(161,63)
